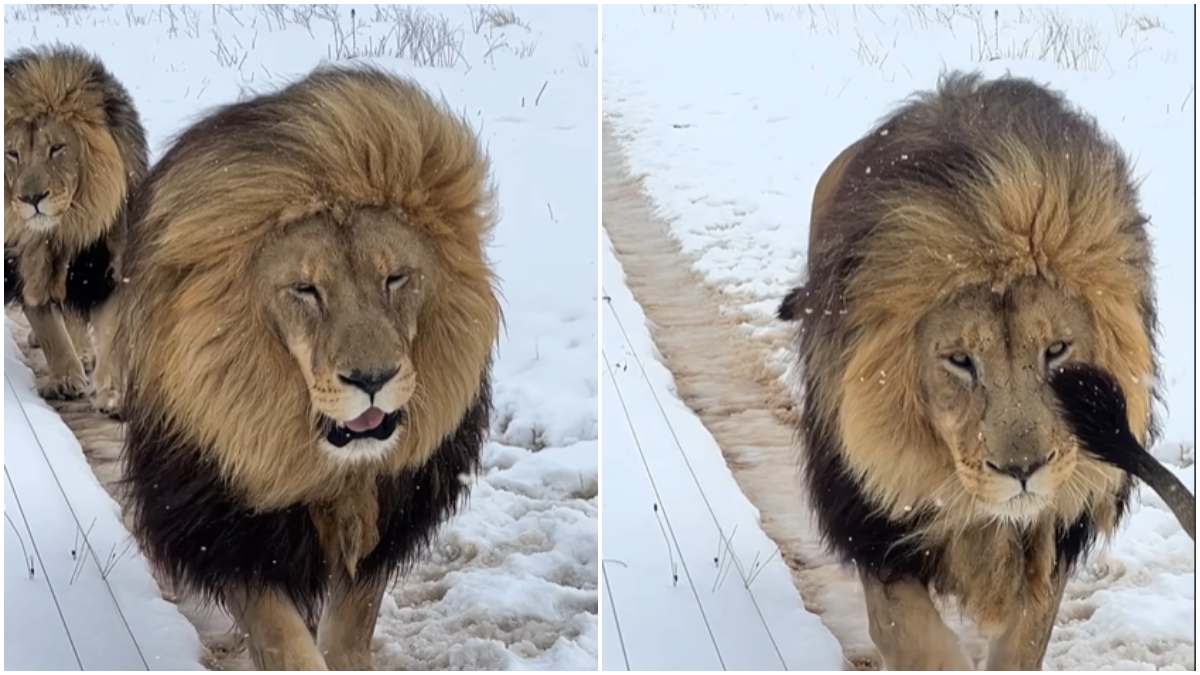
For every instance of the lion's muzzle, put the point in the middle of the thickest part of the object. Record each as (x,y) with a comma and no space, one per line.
(1020,471)
(39,211)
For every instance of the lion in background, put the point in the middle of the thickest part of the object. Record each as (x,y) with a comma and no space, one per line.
(979,239)
(309,331)
(73,150)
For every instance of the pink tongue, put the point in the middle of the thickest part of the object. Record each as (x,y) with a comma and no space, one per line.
(367,421)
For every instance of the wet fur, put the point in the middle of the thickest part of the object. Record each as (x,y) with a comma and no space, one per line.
(980,182)
(249,478)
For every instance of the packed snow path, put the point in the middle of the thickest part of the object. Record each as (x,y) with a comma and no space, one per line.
(690,579)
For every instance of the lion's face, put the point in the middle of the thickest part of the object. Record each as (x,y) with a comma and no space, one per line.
(985,361)
(41,171)
(345,300)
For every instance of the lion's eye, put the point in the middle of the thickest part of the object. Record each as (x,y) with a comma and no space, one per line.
(397,281)
(1056,352)
(962,361)
(306,292)
(12,154)
(55,149)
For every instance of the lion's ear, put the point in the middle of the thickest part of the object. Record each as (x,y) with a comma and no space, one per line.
(792,306)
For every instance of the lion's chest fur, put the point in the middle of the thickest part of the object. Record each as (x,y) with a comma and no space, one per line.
(347,523)
(998,571)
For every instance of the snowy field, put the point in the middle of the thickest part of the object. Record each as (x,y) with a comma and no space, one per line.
(511,582)
(728,115)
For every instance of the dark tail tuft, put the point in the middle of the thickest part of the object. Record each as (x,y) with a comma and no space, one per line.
(1094,406)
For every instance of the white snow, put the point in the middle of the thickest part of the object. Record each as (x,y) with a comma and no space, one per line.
(690,579)
(731,113)
(511,581)
(90,601)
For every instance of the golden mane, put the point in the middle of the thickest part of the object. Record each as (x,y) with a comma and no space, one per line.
(338,140)
(977,183)
(68,85)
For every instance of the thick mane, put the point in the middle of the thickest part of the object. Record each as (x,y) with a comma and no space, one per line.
(205,363)
(977,183)
(66,84)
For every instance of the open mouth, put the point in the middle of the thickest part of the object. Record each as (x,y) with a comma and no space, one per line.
(374,424)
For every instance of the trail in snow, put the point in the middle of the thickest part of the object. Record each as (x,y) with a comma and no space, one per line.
(691,579)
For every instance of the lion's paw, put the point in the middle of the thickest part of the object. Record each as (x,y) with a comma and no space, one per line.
(88,360)
(108,402)
(64,387)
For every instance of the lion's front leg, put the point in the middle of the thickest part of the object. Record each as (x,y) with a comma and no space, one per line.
(67,378)
(35,265)
(77,328)
(1022,644)
(348,622)
(907,628)
(279,638)
(109,374)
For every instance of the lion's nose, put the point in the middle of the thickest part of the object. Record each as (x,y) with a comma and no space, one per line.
(1019,470)
(368,381)
(33,199)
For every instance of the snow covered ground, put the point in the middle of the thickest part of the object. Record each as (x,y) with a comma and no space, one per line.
(729,114)
(72,601)
(690,579)
(512,581)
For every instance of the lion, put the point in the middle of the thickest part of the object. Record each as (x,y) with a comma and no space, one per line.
(74,148)
(310,323)
(982,237)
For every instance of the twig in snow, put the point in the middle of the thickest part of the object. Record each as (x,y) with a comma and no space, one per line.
(229,10)
(539,95)
(24,552)
(75,549)
(670,551)
(758,571)
(112,552)
(723,546)
(114,558)
(77,569)
(723,574)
